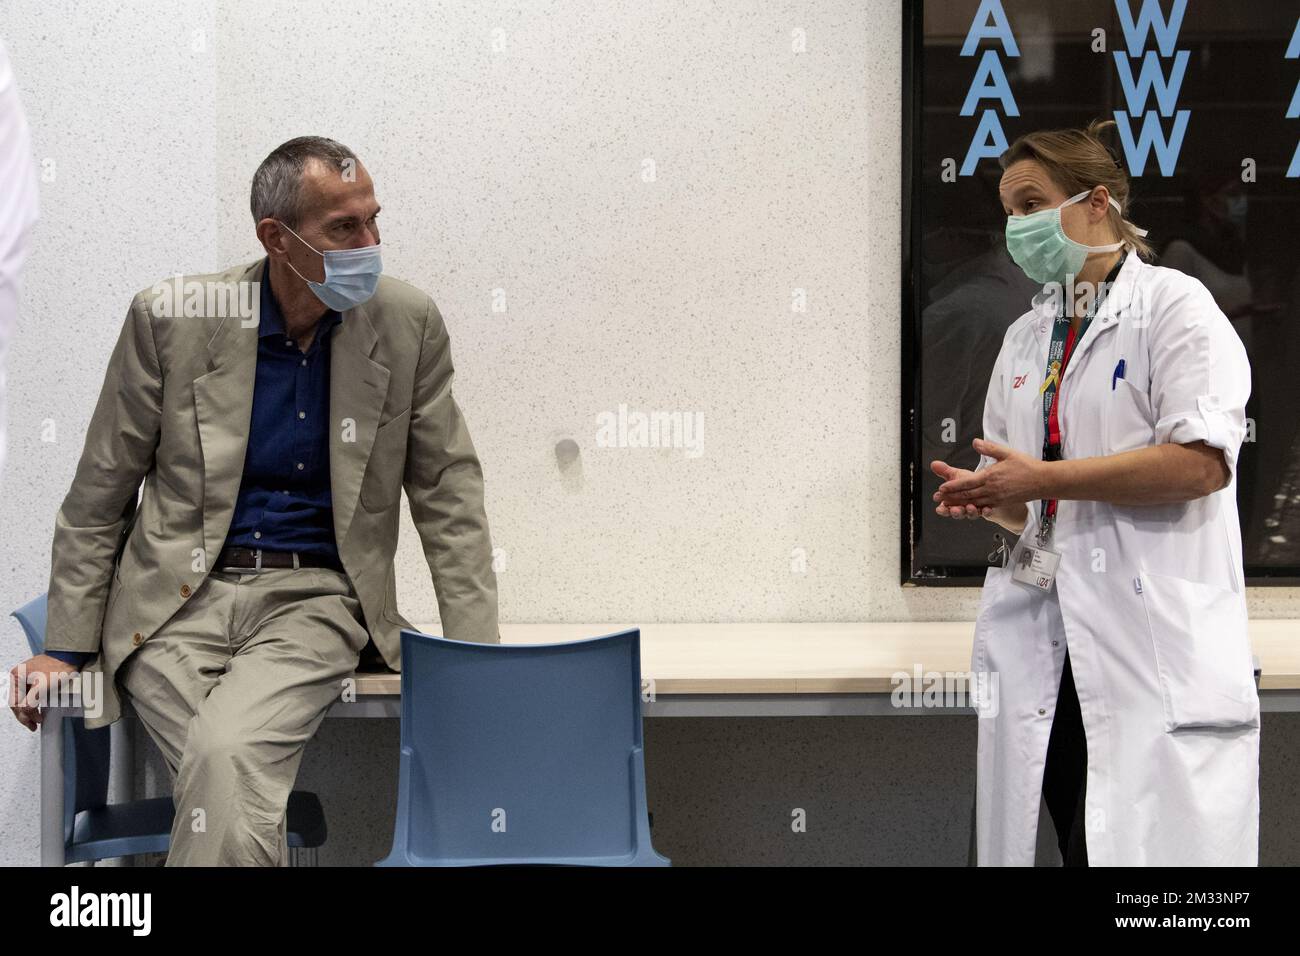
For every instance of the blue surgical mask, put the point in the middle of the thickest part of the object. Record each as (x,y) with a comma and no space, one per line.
(351,275)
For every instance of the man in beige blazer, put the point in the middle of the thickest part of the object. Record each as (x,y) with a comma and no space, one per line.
(292,417)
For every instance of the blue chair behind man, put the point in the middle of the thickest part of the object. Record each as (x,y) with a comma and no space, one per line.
(94,829)
(521,754)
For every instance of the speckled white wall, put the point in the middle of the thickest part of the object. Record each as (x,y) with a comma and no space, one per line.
(122,102)
(616,205)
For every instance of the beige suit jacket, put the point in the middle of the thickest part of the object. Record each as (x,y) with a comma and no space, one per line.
(174,412)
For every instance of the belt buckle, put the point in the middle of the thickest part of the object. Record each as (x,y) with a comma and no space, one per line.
(296,565)
(257,559)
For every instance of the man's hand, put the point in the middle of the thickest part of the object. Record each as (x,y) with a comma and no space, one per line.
(25,686)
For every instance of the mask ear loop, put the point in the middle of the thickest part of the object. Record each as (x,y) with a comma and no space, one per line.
(309,282)
(1114,158)
(303,241)
(1077,197)
(1133,226)
(300,275)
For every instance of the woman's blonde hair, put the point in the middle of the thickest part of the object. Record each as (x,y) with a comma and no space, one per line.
(1078,160)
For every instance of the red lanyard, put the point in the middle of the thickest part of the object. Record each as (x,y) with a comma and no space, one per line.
(1051,420)
(1058,357)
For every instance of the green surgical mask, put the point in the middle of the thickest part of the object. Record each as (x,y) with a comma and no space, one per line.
(1041,248)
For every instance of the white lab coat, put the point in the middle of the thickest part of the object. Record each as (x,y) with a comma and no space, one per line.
(18,212)
(1150,600)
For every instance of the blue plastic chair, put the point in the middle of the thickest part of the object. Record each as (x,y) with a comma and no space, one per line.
(521,754)
(93,828)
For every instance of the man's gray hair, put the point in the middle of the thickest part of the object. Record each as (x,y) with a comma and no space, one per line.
(277,184)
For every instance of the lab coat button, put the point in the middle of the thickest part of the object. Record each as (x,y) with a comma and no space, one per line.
(185,590)
(1041,712)
(136,638)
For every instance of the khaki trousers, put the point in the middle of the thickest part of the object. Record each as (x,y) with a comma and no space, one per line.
(231,688)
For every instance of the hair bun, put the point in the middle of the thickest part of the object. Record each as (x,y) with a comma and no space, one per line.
(1094,131)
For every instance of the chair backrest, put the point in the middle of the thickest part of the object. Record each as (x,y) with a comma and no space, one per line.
(86,753)
(522,753)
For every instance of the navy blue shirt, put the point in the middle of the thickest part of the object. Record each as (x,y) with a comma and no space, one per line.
(284,499)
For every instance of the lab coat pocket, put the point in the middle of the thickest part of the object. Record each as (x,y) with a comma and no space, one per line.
(1202,649)
(1127,418)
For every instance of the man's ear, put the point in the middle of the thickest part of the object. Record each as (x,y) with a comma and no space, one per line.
(273,238)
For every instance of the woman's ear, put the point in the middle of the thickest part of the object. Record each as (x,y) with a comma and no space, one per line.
(1098,204)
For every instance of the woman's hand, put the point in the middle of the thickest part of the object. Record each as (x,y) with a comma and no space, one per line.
(1154,475)
(1010,514)
(1012,479)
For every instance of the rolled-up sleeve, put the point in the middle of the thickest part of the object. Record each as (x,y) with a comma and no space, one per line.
(1200,374)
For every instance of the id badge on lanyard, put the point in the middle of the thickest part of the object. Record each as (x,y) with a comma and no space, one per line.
(1035,564)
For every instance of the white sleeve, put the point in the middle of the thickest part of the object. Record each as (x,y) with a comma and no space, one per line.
(18,211)
(18,203)
(1200,374)
(995,404)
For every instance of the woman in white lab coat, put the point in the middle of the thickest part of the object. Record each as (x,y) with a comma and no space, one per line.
(1116,470)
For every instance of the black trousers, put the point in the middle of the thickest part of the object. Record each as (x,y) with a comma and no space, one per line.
(1065,777)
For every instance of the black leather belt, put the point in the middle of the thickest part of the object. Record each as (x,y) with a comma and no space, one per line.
(258,560)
